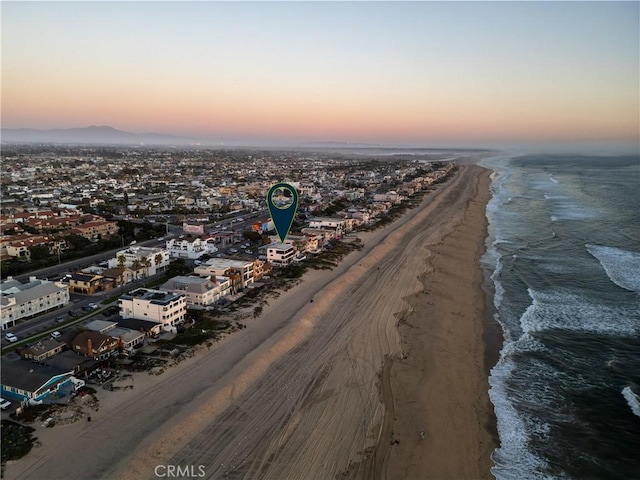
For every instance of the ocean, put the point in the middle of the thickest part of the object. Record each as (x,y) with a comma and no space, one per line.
(564,256)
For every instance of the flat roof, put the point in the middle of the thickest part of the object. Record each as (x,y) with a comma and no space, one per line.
(157,297)
(280,246)
(137,324)
(221,263)
(99,325)
(127,334)
(69,360)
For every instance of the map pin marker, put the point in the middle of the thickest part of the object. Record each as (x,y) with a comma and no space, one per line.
(282,200)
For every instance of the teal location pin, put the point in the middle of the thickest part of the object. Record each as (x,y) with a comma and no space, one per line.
(282,200)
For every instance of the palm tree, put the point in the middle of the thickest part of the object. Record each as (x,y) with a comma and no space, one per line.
(121,268)
(158,259)
(136,265)
(146,264)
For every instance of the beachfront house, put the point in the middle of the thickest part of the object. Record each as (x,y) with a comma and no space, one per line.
(200,291)
(94,345)
(31,382)
(280,254)
(240,272)
(166,308)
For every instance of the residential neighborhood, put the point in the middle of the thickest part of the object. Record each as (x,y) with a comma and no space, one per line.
(175,235)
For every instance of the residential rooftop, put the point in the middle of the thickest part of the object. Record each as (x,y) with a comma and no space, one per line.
(156,297)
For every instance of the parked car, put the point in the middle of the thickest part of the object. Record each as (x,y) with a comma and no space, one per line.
(56,334)
(11,337)
(4,404)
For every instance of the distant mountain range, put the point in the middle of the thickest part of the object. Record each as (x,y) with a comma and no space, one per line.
(95,135)
(105,135)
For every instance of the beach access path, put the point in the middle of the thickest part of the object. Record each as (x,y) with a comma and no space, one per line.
(306,390)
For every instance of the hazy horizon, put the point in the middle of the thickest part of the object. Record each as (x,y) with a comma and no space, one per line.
(531,75)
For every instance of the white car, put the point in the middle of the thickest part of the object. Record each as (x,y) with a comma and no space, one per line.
(11,337)
(4,404)
(56,334)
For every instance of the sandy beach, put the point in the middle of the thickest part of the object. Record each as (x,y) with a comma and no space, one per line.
(324,389)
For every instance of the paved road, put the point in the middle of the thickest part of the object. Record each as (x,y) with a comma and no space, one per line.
(48,321)
(73,265)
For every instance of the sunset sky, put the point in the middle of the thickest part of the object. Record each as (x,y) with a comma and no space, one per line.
(411,73)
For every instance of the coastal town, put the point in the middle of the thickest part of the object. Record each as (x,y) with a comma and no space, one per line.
(117,260)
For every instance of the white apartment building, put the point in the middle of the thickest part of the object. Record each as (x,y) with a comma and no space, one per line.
(159,258)
(23,300)
(199,291)
(154,305)
(239,271)
(339,225)
(280,253)
(183,248)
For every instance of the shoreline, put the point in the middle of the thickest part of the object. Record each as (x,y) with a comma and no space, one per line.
(159,420)
(443,423)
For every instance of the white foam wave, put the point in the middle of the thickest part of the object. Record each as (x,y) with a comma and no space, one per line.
(565,309)
(565,209)
(622,266)
(632,399)
(513,459)
(553,179)
(563,206)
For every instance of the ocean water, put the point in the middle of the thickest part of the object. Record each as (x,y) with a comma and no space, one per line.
(564,256)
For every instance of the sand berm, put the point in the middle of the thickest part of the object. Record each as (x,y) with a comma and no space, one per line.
(381,376)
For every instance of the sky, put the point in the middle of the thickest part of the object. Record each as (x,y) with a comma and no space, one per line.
(402,73)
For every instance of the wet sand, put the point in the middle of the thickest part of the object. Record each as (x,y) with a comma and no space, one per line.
(442,415)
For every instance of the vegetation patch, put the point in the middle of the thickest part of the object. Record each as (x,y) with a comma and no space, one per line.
(17,440)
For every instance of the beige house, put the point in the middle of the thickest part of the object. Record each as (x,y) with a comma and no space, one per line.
(198,290)
(239,271)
